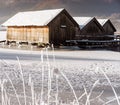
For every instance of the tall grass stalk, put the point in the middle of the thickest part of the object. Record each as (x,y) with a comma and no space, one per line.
(54,60)
(42,87)
(114,99)
(49,77)
(81,96)
(70,86)
(31,84)
(4,97)
(56,75)
(97,97)
(57,90)
(87,99)
(23,81)
(13,88)
(88,95)
(114,91)
(2,92)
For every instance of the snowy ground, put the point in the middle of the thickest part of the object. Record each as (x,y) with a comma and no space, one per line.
(82,68)
(3,35)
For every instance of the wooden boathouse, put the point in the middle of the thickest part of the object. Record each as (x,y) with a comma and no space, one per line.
(94,33)
(90,29)
(108,27)
(45,26)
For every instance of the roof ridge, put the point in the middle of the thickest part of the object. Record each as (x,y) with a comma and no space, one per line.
(42,10)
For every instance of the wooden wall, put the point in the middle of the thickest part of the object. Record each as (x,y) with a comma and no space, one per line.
(92,28)
(28,34)
(93,31)
(108,29)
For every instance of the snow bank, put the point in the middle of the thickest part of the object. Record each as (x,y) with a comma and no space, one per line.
(3,35)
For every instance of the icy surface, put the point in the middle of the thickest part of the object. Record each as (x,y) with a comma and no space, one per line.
(81,68)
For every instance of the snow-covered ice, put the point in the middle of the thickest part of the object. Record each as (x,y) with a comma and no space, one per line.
(82,68)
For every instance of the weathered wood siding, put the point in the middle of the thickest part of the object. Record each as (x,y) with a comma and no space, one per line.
(108,29)
(92,31)
(28,34)
(62,28)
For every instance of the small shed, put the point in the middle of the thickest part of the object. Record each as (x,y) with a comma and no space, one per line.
(90,28)
(3,33)
(45,26)
(108,26)
(3,36)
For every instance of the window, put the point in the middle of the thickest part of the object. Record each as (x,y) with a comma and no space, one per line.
(63,26)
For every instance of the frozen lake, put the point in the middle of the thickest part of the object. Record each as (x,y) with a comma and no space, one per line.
(82,68)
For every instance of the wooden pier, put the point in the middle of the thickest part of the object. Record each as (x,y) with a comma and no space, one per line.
(94,43)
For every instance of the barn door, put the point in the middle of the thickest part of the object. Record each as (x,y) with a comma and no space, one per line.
(63,35)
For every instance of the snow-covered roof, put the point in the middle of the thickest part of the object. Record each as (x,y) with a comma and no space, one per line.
(102,21)
(35,18)
(82,21)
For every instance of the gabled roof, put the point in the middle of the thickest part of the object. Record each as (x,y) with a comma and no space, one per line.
(102,21)
(83,21)
(33,18)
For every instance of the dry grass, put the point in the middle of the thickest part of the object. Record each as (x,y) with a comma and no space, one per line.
(46,94)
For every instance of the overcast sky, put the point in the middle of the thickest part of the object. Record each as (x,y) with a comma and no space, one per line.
(76,7)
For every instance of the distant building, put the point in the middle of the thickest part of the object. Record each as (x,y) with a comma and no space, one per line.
(91,29)
(46,26)
(108,26)
(3,36)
